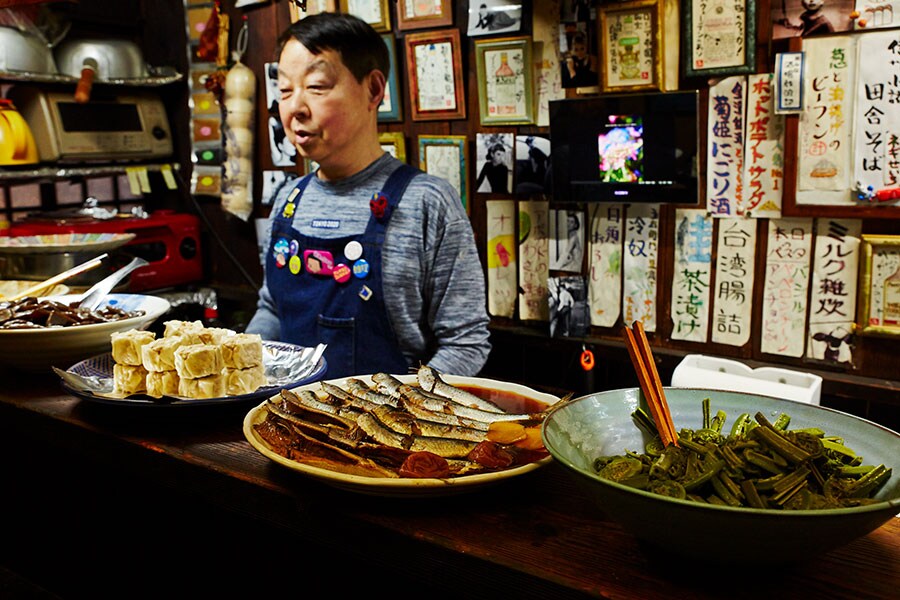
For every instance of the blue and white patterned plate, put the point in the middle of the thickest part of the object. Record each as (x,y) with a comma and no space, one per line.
(91,379)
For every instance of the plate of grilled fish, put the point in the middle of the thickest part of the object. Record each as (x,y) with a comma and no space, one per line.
(416,434)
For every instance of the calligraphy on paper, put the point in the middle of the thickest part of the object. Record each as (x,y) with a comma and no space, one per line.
(725,148)
(786,286)
(735,269)
(764,151)
(501,257)
(534,260)
(691,275)
(605,268)
(640,265)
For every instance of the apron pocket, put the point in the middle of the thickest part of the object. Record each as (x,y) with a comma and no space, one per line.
(340,335)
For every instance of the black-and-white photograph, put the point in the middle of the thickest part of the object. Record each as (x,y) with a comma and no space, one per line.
(806,18)
(488,17)
(571,11)
(569,316)
(579,67)
(273,183)
(567,233)
(495,163)
(283,152)
(533,174)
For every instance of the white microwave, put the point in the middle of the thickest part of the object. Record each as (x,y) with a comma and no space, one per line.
(112,126)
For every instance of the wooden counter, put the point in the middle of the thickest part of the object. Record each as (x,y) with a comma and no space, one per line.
(143,502)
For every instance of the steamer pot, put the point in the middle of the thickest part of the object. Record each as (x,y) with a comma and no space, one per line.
(43,265)
(25,52)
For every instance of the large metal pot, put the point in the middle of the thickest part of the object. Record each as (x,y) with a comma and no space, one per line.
(99,60)
(43,265)
(25,52)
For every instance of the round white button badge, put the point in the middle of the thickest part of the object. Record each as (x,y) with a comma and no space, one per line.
(353,250)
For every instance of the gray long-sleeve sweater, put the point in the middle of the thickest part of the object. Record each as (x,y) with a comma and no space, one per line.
(434,288)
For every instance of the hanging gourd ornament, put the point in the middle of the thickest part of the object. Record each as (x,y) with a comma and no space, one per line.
(239,101)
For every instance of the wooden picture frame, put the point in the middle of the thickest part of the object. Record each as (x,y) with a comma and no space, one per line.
(505,81)
(435,75)
(630,45)
(391,108)
(313,7)
(408,18)
(878,306)
(374,12)
(712,48)
(393,143)
(447,156)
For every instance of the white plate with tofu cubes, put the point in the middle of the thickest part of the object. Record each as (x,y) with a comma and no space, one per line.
(92,379)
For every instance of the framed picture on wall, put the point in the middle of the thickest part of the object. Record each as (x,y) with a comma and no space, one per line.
(390,109)
(435,75)
(313,7)
(447,156)
(374,12)
(721,41)
(879,286)
(393,143)
(422,14)
(630,45)
(505,82)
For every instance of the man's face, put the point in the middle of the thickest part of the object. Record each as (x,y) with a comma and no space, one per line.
(326,112)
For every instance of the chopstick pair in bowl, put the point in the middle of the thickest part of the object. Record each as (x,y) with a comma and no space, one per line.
(651,385)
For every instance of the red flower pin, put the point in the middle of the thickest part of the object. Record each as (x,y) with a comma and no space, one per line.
(379,205)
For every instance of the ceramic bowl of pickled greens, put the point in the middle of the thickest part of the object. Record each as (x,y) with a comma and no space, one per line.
(752,479)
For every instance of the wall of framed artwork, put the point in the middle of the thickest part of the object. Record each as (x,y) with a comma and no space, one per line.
(434,69)
(374,12)
(424,15)
(394,143)
(391,108)
(447,156)
(879,286)
(505,81)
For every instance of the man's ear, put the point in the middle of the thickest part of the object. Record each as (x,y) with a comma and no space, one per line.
(375,84)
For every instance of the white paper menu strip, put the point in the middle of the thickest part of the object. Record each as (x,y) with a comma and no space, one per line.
(832,304)
(501,257)
(691,274)
(764,151)
(640,265)
(534,260)
(735,268)
(786,286)
(605,257)
(725,147)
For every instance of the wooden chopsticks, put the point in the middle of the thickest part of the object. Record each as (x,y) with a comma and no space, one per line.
(648,377)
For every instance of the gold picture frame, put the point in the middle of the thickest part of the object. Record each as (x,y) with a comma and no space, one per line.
(878,308)
(450,161)
(434,68)
(376,13)
(630,46)
(393,143)
(505,81)
(415,15)
(313,7)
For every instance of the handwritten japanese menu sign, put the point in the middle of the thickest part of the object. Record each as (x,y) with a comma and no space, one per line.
(692,275)
(786,285)
(877,154)
(605,248)
(825,128)
(832,303)
(640,265)
(548,75)
(501,257)
(725,149)
(764,153)
(534,260)
(719,29)
(735,260)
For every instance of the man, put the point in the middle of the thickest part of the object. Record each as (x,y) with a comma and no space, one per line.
(395,278)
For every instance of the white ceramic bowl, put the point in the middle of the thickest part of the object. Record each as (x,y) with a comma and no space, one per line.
(37,350)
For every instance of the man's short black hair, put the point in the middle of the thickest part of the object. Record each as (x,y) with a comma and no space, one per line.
(360,46)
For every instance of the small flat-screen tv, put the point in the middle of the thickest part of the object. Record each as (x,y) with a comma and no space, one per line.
(625,148)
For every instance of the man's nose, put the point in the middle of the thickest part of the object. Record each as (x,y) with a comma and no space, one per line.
(297,105)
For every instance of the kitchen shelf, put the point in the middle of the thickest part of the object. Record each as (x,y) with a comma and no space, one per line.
(54,172)
(158,76)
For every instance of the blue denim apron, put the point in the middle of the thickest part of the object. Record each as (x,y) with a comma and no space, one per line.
(349,317)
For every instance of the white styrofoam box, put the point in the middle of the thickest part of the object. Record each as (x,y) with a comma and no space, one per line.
(710,372)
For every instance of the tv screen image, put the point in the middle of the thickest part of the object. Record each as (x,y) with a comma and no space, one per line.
(625,148)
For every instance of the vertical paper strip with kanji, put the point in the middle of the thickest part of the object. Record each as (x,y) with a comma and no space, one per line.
(725,147)
(764,151)
(605,283)
(691,275)
(735,269)
(501,257)
(534,260)
(640,264)
(786,286)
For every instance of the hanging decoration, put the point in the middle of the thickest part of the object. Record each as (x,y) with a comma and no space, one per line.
(239,99)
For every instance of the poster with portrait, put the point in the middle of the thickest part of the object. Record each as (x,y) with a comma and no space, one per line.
(491,17)
(806,18)
(283,152)
(494,153)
